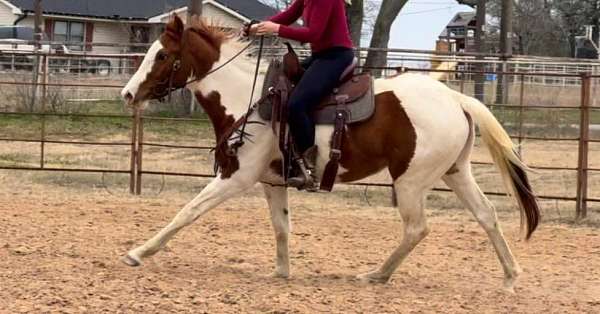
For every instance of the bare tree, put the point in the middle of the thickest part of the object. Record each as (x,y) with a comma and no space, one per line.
(355,13)
(381,33)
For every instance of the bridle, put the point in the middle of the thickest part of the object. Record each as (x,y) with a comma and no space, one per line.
(165,87)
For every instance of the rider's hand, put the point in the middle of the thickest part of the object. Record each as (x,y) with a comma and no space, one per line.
(266,28)
(248,31)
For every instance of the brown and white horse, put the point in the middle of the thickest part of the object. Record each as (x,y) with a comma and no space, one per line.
(421,131)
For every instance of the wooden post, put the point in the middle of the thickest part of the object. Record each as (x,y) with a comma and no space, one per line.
(505,49)
(133,163)
(584,129)
(521,109)
(37,37)
(43,118)
(140,149)
(194,10)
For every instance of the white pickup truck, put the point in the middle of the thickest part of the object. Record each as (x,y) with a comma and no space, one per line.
(16,51)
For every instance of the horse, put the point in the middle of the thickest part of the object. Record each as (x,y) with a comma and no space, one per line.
(421,131)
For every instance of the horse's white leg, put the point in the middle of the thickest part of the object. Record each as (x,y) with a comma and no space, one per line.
(212,195)
(464,185)
(410,205)
(277,197)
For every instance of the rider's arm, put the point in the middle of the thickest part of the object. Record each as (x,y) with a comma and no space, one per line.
(289,15)
(318,22)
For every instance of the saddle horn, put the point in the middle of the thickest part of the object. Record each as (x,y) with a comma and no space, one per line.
(291,64)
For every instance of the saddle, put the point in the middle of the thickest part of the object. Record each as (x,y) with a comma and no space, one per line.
(351,102)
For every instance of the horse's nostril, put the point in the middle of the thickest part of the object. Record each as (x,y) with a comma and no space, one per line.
(128,97)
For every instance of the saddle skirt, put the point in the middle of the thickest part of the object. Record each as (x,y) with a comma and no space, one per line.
(357,90)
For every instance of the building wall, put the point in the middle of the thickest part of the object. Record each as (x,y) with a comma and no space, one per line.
(111,32)
(214,15)
(6,15)
(220,17)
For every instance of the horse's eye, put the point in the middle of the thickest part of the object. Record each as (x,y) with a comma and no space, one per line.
(161,56)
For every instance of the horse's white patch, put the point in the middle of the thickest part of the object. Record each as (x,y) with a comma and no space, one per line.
(141,74)
(234,81)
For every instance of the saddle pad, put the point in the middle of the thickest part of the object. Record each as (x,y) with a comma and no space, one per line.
(359,109)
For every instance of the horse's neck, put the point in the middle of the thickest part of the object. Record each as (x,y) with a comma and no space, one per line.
(233,81)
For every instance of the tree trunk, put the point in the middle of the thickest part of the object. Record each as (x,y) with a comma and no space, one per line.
(506,43)
(480,48)
(355,13)
(381,33)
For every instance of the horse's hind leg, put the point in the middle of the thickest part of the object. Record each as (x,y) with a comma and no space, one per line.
(277,198)
(410,205)
(464,185)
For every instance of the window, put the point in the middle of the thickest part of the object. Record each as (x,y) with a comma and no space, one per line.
(71,32)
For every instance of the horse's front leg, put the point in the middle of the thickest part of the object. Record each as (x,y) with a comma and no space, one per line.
(277,197)
(212,195)
(252,164)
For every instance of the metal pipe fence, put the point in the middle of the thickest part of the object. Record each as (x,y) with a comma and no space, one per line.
(138,142)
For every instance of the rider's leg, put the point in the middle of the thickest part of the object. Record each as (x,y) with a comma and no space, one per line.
(320,78)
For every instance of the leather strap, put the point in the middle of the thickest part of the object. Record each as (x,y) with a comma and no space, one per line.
(331,169)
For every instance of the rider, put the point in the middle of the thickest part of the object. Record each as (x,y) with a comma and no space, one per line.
(326,29)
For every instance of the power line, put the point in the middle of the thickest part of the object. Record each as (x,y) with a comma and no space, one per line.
(427,11)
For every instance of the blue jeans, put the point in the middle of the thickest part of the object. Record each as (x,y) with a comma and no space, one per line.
(323,71)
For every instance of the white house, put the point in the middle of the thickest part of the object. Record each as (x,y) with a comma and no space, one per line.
(121,21)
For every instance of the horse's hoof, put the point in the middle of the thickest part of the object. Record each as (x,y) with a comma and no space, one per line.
(130,261)
(511,280)
(280,275)
(373,277)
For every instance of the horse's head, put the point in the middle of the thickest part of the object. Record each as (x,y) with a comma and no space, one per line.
(179,53)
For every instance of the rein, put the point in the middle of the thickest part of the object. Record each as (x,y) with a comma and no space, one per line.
(177,66)
(165,88)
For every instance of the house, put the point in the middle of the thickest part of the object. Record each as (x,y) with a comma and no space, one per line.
(83,22)
(459,34)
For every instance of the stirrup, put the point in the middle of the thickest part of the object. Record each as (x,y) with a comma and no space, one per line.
(305,180)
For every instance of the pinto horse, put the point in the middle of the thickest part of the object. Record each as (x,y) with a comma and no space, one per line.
(421,131)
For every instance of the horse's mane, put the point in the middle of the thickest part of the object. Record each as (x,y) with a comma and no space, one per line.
(213,30)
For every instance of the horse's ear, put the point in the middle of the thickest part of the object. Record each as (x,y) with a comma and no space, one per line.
(175,28)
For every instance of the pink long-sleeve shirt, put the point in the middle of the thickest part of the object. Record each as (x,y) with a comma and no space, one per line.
(324,26)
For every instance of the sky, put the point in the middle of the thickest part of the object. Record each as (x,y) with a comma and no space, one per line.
(421,21)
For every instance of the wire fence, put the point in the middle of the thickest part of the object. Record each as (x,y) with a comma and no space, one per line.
(546,107)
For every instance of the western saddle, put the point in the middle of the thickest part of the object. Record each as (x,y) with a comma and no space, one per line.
(351,102)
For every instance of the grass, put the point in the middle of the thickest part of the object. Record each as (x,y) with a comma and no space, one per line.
(90,128)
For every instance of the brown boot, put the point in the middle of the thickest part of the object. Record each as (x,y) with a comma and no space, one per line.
(306,179)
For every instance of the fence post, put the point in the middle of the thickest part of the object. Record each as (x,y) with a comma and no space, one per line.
(521,111)
(140,150)
(584,129)
(134,152)
(43,110)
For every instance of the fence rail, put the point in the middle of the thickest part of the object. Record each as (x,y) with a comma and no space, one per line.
(138,142)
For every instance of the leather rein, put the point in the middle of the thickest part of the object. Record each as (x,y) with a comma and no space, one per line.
(165,87)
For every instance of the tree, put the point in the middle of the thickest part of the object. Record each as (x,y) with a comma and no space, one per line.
(355,13)
(574,15)
(388,12)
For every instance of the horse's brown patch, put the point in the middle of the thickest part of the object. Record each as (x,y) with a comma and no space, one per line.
(386,139)
(222,123)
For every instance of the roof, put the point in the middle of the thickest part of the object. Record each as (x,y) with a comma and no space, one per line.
(137,9)
(461,19)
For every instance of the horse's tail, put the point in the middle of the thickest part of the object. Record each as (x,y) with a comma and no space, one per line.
(508,161)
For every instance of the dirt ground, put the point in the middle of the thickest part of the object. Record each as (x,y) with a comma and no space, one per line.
(61,246)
